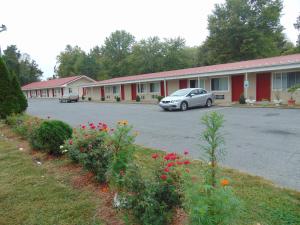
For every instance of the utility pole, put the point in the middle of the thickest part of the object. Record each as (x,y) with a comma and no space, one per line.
(2,28)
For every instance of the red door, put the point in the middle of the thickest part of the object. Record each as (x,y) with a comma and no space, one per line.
(122,92)
(162,88)
(102,92)
(182,84)
(133,91)
(263,86)
(237,87)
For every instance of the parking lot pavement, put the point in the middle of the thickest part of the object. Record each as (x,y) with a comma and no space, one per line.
(260,141)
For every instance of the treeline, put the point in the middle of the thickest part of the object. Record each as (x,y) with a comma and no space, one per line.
(238,30)
(21,65)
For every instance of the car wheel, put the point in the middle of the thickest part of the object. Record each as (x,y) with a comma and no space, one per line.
(208,103)
(184,106)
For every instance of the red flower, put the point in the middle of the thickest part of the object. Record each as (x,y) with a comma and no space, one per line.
(155,156)
(93,127)
(170,164)
(186,152)
(186,162)
(170,156)
(179,163)
(81,149)
(163,177)
(83,126)
(167,169)
(70,142)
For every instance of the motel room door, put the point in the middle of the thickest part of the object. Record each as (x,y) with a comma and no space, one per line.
(237,87)
(263,86)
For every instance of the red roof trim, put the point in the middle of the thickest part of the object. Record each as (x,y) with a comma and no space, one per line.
(250,64)
(52,83)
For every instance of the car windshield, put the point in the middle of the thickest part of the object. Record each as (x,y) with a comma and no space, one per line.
(180,92)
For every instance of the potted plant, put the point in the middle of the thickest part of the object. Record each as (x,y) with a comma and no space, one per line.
(292,90)
(138,98)
(117,98)
(277,99)
(242,99)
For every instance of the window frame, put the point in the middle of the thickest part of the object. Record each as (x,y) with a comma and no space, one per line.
(228,84)
(158,89)
(282,73)
(138,87)
(117,88)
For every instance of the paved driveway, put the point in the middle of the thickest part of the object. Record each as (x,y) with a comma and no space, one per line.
(264,142)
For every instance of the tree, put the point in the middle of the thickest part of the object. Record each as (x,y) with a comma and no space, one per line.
(297,27)
(242,30)
(12,99)
(116,50)
(21,65)
(70,61)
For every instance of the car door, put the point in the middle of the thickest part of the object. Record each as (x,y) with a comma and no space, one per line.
(194,98)
(203,97)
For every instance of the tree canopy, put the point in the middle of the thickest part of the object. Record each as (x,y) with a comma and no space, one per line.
(20,64)
(238,30)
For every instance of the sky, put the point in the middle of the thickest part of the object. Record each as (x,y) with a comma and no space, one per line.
(42,28)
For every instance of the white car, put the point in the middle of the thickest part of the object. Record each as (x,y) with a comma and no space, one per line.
(187,98)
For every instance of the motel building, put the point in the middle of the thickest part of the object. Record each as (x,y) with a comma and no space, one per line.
(56,88)
(261,80)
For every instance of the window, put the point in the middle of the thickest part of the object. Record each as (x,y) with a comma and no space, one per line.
(141,88)
(154,87)
(195,92)
(202,92)
(70,90)
(219,84)
(107,90)
(116,89)
(285,80)
(194,83)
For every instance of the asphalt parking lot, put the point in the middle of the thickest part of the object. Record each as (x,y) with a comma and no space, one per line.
(260,141)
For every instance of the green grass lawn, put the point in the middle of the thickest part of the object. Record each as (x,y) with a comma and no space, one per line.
(32,196)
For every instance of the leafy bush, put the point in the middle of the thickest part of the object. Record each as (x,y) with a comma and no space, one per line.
(117,98)
(159,98)
(121,144)
(90,98)
(50,135)
(102,98)
(88,147)
(23,124)
(153,200)
(138,98)
(211,202)
(242,99)
(82,97)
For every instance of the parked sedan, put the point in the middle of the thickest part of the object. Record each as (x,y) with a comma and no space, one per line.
(187,98)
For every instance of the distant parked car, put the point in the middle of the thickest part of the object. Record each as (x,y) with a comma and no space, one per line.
(187,98)
(69,98)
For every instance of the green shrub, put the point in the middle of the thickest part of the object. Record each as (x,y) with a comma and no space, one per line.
(159,98)
(50,135)
(12,99)
(88,147)
(242,99)
(153,200)
(23,124)
(90,98)
(138,98)
(213,201)
(117,98)
(82,97)
(102,99)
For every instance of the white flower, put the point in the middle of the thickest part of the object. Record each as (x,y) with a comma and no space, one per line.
(61,147)
(64,151)
(21,149)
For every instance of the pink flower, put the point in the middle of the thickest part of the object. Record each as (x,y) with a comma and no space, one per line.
(186,152)
(186,162)
(70,142)
(167,169)
(170,164)
(83,126)
(155,156)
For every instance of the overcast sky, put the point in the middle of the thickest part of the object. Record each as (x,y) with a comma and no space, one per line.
(43,28)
